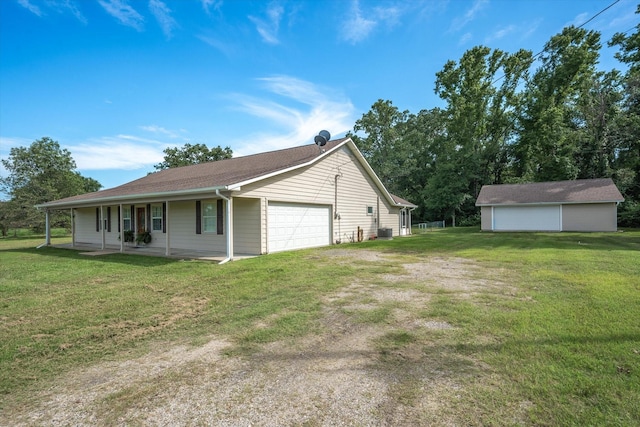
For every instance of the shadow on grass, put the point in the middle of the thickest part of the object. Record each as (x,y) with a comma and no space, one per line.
(470,348)
(470,238)
(128,259)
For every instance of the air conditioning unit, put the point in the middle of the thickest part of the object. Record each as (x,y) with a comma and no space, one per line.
(385,233)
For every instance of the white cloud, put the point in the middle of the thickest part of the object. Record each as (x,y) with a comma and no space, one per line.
(122,152)
(578,20)
(499,34)
(124,13)
(30,7)
(207,5)
(162,131)
(70,6)
(357,27)
(459,22)
(163,15)
(268,29)
(313,108)
(361,24)
(225,48)
(464,39)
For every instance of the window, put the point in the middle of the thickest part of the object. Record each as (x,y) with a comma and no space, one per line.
(369,210)
(156,217)
(209,217)
(126,218)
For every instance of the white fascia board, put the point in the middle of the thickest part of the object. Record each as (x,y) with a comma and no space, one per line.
(127,198)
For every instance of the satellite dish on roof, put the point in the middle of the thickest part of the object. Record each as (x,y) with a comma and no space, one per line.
(321,138)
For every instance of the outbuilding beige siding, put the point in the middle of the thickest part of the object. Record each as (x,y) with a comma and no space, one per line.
(590,217)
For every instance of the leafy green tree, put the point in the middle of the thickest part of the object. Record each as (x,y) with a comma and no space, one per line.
(192,155)
(597,115)
(40,173)
(548,140)
(627,162)
(481,95)
(384,144)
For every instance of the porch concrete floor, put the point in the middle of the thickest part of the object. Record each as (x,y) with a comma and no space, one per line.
(97,250)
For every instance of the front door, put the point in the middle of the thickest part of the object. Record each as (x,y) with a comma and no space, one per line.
(141,226)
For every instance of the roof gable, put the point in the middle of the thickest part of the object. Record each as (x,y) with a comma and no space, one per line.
(576,191)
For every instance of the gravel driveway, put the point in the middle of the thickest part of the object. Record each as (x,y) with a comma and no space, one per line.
(337,377)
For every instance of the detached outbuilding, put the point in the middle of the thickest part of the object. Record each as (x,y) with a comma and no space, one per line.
(578,205)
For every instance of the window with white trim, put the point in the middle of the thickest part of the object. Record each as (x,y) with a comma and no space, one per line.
(369,210)
(126,218)
(209,217)
(156,217)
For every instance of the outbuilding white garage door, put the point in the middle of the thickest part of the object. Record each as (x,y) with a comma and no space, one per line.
(296,226)
(527,218)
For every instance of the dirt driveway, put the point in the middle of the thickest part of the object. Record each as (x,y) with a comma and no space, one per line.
(344,375)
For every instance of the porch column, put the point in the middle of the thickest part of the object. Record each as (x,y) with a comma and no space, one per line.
(47,228)
(230,228)
(102,227)
(167,239)
(73,229)
(121,226)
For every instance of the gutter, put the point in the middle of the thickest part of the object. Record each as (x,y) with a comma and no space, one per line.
(103,200)
(229,252)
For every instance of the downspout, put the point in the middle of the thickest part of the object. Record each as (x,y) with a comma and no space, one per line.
(336,214)
(229,237)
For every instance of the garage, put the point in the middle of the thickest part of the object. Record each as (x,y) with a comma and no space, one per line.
(297,226)
(527,218)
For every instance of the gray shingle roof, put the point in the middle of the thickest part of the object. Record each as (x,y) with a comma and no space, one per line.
(576,191)
(209,175)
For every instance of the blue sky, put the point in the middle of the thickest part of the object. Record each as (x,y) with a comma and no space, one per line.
(117,81)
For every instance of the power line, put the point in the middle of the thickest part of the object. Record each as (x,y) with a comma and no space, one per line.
(580,26)
(599,13)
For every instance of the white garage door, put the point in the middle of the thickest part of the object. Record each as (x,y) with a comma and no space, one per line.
(294,226)
(526,218)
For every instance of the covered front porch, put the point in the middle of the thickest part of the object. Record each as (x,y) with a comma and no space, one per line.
(91,249)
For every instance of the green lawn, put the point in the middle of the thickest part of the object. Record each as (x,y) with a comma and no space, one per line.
(566,349)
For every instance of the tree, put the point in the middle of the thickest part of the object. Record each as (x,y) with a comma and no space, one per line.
(37,174)
(480,123)
(548,144)
(384,144)
(627,161)
(192,155)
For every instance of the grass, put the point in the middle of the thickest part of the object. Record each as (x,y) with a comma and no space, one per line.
(564,349)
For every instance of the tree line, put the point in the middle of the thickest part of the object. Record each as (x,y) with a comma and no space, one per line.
(513,118)
(508,118)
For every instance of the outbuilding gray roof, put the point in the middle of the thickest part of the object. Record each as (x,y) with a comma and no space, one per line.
(576,191)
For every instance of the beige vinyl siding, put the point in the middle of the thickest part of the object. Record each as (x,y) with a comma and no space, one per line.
(111,237)
(246,226)
(486,218)
(589,217)
(316,185)
(182,226)
(85,226)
